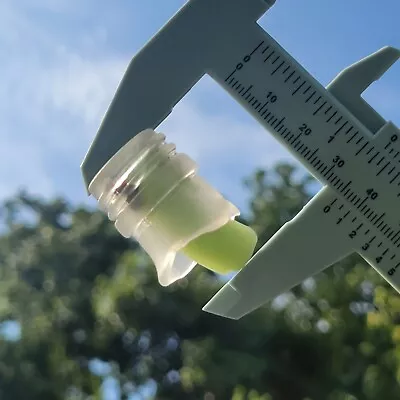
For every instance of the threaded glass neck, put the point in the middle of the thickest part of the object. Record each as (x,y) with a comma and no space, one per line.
(154,196)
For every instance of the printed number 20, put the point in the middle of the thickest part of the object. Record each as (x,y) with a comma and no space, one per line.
(304,128)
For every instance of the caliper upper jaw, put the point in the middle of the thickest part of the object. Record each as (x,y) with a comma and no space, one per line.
(165,69)
(348,86)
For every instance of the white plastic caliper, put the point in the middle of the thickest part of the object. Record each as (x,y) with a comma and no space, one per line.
(333,132)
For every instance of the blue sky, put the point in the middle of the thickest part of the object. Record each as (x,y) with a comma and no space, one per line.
(62,61)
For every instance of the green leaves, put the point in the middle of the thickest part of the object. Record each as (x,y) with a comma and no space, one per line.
(79,291)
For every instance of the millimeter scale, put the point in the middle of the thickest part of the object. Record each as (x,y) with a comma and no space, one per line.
(342,141)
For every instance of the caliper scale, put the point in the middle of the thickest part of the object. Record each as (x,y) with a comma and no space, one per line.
(332,131)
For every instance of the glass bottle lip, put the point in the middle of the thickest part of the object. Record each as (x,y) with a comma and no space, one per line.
(154,195)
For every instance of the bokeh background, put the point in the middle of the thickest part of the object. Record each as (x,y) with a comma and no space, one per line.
(81,313)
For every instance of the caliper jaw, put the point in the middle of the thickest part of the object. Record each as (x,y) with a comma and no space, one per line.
(348,86)
(273,269)
(167,67)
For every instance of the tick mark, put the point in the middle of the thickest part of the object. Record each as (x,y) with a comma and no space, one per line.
(354,135)
(265,50)
(313,94)
(276,59)
(257,48)
(382,169)
(280,65)
(371,159)
(268,57)
(395,177)
(349,130)
(289,76)
(329,120)
(361,149)
(317,111)
(298,88)
(316,101)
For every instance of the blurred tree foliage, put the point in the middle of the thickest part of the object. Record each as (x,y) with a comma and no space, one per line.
(82,294)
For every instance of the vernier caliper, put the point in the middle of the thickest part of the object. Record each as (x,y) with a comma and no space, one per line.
(332,131)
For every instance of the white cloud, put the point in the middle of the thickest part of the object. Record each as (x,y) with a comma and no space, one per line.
(79,87)
(21,166)
(48,5)
(54,96)
(51,102)
(53,111)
